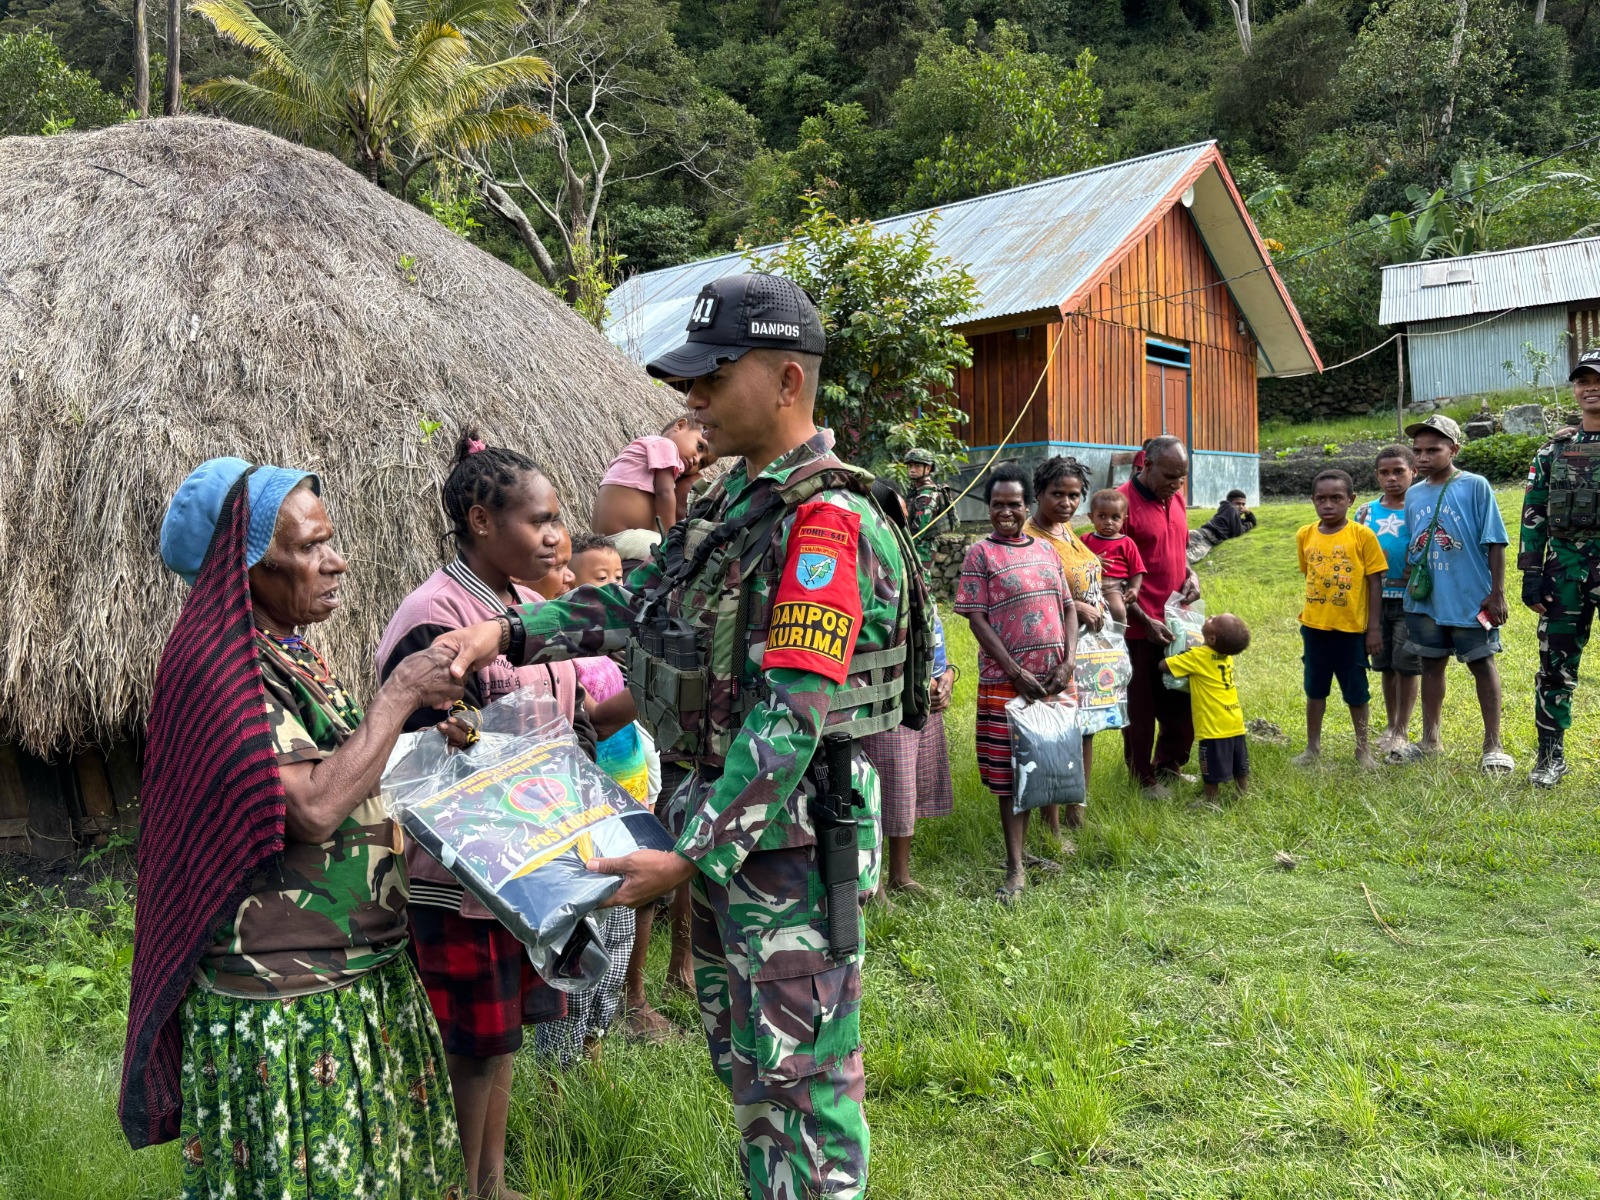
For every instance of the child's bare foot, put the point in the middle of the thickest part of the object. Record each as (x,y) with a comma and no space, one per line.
(1048,866)
(1386,742)
(1075,816)
(645,1024)
(1365,761)
(1306,758)
(907,885)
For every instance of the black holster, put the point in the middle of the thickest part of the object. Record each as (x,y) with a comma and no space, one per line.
(838,856)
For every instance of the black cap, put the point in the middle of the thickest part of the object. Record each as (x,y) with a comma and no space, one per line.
(1589,360)
(740,313)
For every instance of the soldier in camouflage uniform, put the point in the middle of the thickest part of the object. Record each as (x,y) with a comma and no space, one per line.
(1560,562)
(931,505)
(794,586)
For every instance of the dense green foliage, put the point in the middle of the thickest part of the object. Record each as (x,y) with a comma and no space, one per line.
(1501,457)
(884,299)
(677,127)
(40,93)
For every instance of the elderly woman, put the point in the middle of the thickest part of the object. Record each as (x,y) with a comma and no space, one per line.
(1059,486)
(276,1023)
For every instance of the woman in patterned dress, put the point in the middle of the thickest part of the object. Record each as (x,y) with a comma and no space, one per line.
(1059,486)
(1015,598)
(310,1063)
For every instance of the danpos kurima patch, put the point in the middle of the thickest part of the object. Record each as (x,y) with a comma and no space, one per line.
(816,615)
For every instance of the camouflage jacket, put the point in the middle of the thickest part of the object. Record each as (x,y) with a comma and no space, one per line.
(1535,539)
(756,797)
(321,914)
(925,505)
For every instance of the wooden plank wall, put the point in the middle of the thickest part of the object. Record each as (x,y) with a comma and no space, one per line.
(1167,287)
(1005,369)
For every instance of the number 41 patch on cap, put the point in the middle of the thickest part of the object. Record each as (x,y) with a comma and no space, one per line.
(816,615)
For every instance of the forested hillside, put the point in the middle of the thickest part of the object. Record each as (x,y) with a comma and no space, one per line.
(662,132)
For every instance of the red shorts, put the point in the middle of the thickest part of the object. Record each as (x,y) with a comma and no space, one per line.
(480,983)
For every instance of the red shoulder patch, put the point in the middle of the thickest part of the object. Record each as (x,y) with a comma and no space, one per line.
(816,614)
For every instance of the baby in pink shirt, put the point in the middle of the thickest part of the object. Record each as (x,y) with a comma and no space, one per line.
(641,485)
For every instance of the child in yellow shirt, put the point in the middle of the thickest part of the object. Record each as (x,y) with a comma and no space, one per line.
(1214,700)
(1342,621)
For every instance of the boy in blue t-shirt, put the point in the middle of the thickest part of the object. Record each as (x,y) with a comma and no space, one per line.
(1464,555)
(1399,665)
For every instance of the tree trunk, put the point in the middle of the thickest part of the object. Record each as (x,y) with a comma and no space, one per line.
(141,58)
(1456,38)
(1538,13)
(1241,22)
(172,100)
(508,210)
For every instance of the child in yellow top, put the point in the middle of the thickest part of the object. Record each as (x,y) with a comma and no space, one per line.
(1342,621)
(1218,719)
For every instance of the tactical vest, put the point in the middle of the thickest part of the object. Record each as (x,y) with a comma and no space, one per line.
(1573,509)
(687,658)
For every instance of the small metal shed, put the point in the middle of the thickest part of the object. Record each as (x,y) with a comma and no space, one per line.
(1465,318)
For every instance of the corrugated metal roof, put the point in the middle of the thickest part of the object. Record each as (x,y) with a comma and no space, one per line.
(1029,247)
(1557,273)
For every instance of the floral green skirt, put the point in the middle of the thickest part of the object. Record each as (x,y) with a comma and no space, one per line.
(333,1095)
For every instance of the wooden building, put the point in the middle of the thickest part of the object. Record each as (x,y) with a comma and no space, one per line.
(1143,285)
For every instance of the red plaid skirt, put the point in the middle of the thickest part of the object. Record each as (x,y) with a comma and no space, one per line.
(994,736)
(481,986)
(913,773)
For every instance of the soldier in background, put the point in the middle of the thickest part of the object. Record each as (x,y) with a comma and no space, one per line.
(784,602)
(1560,562)
(930,503)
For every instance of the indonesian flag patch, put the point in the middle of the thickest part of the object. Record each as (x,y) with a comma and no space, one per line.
(816,615)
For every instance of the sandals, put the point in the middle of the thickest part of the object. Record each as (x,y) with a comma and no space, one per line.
(1405,754)
(1496,762)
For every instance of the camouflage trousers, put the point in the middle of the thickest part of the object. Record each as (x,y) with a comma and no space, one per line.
(783,1024)
(1572,593)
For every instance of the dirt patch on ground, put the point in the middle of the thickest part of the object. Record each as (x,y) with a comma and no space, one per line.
(72,877)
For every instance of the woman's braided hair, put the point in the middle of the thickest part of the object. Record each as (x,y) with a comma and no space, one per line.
(481,474)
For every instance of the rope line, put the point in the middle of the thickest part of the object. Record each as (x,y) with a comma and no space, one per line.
(1037,384)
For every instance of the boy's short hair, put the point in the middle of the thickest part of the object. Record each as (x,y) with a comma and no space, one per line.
(583,543)
(1337,476)
(1105,497)
(1236,494)
(1396,450)
(1233,635)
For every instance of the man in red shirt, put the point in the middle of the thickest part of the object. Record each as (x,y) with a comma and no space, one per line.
(1158,523)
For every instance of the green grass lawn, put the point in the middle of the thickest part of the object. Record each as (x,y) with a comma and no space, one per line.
(1380,425)
(1173,1016)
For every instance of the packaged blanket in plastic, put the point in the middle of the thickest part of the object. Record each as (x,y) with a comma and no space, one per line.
(1185,621)
(1046,753)
(1102,675)
(514,818)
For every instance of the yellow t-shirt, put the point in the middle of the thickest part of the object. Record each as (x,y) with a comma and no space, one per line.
(1336,566)
(1213,699)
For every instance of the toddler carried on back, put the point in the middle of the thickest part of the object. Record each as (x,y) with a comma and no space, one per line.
(644,491)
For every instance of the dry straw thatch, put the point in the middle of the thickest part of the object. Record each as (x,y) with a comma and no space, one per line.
(172,290)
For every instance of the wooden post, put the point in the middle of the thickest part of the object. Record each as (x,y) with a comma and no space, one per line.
(1400,392)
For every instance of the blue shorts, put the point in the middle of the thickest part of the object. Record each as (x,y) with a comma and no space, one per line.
(1330,654)
(1469,643)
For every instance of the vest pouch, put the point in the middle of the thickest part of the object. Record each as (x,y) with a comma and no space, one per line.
(1583,508)
(671,701)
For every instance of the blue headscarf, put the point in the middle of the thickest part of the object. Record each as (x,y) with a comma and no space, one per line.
(191,518)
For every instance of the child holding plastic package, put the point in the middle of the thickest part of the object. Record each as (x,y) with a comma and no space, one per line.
(1117,552)
(1214,700)
(1342,621)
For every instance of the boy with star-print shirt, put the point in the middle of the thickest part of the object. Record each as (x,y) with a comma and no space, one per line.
(1395,468)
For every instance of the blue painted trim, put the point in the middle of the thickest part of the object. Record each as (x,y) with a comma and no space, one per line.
(1150,341)
(1225,453)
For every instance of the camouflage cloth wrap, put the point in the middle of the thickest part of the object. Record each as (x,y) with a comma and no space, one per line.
(781,1016)
(783,1022)
(925,505)
(322,914)
(1564,570)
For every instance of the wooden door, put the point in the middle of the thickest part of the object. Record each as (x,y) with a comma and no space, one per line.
(1166,400)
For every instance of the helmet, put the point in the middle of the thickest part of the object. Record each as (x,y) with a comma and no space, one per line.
(921,457)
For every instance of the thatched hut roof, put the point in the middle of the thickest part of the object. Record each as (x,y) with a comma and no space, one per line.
(172,290)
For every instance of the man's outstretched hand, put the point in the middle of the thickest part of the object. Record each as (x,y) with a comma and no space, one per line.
(646,874)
